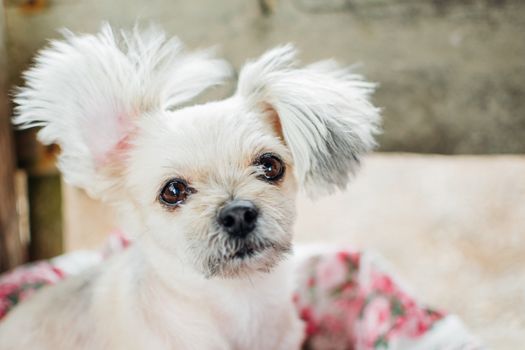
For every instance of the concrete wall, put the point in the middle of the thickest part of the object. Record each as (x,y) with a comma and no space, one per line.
(452,73)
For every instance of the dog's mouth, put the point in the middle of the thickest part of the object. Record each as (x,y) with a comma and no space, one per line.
(248,250)
(244,252)
(247,257)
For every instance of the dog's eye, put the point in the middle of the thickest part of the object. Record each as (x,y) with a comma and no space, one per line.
(175,192)
(272,166)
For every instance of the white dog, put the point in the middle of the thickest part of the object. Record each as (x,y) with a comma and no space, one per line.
(207,190)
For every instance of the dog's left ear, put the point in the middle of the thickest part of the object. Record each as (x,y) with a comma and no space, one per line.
(323,112)
(89,93)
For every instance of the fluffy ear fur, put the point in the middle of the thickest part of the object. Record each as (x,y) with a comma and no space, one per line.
(88,91)
(324,112)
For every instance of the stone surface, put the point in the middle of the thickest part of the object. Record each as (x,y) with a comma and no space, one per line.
(450,72)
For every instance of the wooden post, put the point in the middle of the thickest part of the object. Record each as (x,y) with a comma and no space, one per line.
(12,250)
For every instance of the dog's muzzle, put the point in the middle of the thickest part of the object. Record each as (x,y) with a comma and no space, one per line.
(238,218)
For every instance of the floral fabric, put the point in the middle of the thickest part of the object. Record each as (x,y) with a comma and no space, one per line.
(23,281)
(348,300)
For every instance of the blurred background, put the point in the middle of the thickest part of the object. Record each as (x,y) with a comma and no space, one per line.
(443,198)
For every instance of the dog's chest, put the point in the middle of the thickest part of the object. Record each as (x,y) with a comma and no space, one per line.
(217,314)
(228,320)
(253,317)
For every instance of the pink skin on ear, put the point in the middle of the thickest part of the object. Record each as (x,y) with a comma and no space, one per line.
(116,151)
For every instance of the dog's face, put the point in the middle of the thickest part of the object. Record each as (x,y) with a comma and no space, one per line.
(214,184)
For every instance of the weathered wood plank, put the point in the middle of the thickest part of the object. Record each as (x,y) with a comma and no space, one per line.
(12,250)
(45,213)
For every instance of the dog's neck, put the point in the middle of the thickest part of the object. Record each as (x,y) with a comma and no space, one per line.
(174,273)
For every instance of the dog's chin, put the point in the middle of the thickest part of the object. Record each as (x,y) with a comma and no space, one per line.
(246,260)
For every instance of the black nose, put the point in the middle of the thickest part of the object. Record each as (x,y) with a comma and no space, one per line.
(238,218)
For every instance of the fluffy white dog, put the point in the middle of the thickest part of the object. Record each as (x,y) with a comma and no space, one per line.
(207,190)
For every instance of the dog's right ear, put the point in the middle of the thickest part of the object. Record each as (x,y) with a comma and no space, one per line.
(322,111)
(88,91)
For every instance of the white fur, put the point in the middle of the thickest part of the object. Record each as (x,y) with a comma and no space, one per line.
(319,107)
(109,101)
(88,91)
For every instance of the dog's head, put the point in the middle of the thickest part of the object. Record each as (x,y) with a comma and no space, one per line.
(212,184)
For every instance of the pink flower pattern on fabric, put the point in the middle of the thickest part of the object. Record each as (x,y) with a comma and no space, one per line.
(24,281)
(348,302)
